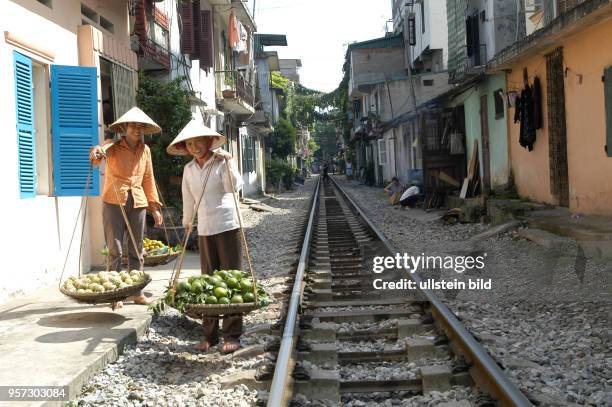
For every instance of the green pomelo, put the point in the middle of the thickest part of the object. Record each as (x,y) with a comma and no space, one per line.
(232,282)
(220,292)
(197,287)
(183,287)
(237,299)
(221,273)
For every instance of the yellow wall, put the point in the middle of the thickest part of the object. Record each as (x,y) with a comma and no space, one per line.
(589,168)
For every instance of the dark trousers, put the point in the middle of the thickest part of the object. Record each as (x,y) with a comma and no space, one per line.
(409,201)
(114,230)
(222,251)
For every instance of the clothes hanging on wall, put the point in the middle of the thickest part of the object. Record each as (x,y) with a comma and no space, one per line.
(537,103)
(525,114)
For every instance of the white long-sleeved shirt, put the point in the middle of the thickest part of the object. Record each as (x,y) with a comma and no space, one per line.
(217,212)
(413,190)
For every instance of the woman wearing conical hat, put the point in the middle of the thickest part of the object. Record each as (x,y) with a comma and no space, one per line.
(129,182)
(218,223)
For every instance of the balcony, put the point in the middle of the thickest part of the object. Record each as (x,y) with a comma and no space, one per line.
(151,37)
(238,95)
(261,122)
(470,64)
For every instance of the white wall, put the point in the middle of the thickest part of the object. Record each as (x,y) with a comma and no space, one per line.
(37,230)
(436,29)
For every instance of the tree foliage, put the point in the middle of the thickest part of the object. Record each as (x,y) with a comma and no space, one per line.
(168,105)
(282,140)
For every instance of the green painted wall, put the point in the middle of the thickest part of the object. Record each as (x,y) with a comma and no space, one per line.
(498,130)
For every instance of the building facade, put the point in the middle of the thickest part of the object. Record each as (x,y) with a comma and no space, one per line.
(63,82)
(570,159)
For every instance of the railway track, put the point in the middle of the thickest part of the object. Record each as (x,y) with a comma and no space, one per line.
(346,343)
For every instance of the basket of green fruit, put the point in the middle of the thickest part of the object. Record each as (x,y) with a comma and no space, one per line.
(155,253)
(105,286)
(225,292)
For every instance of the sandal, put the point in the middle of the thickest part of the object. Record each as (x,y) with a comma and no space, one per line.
(230,347)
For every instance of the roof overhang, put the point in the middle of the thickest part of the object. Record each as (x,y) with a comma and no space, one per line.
(545,40)
(235,106)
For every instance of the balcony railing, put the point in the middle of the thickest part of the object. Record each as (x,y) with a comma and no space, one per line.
(234,81)
(151,32)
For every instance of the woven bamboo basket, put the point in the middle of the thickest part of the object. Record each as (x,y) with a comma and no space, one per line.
(109,296)
(152,261)
(199,311)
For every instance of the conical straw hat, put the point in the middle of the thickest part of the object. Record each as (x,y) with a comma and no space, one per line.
(135,115)
(195,128)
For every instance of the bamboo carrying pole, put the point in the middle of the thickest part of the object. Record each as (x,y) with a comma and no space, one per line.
(179,264)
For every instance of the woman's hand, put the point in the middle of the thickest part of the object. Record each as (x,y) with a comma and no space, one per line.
(97,153)
(158,218)
(221,153)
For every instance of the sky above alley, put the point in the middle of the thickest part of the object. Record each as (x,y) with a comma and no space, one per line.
(318,32)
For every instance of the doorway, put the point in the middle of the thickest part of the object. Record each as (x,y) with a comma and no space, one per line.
(557,135)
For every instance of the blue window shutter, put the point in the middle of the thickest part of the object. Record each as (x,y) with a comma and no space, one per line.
(24,106)
(74,115)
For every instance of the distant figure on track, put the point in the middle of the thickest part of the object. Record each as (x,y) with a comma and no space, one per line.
(325,171)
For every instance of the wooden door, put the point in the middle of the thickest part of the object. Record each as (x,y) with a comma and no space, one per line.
(557,136)
(484,134)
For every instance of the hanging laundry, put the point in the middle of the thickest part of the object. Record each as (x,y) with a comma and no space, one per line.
(537,104)
(242,38)
(233,39)
(524,113)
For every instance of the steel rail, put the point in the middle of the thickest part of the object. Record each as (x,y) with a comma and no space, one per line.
(279,394)
(497,382)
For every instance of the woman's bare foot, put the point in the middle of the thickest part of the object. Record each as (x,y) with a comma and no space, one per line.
(231,347)
(139,299)
(203,346)
(117,305)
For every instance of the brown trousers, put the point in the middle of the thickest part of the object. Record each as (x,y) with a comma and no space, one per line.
(222,251)
(115,229)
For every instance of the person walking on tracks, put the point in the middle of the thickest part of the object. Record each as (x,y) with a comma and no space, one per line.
(129,190)
(218,223)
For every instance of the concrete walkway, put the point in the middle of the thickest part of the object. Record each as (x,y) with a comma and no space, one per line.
(47,339)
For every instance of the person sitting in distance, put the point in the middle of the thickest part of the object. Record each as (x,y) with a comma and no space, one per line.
(394,190)
(410,196)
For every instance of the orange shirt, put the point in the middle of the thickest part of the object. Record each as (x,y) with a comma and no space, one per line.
(131,170)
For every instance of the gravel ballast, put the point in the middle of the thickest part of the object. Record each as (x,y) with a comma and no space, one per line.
(545,320)
(162,369)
